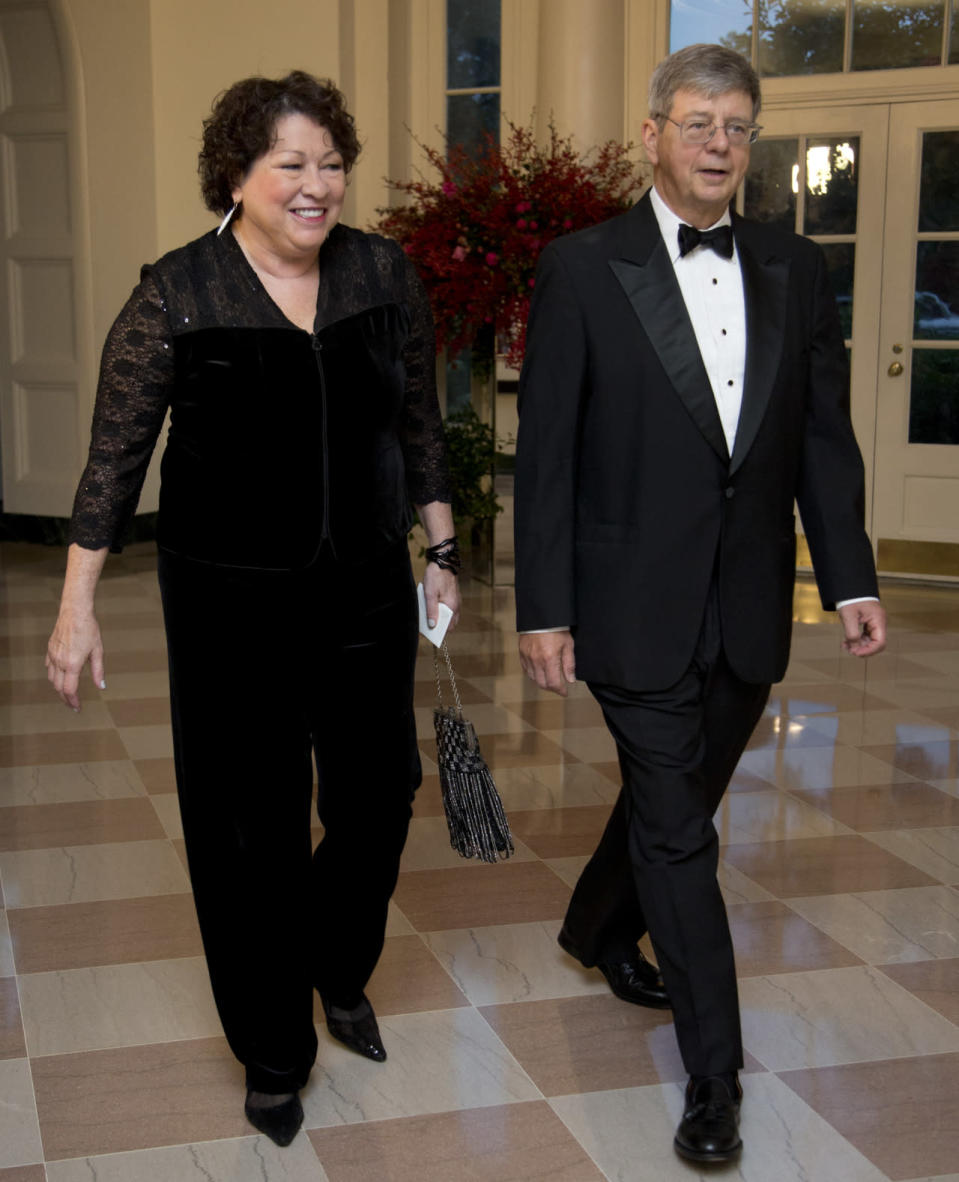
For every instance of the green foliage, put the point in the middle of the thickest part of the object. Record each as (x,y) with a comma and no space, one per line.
(471,447)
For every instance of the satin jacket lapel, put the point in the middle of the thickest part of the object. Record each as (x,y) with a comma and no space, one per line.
(647,277)
(765,288)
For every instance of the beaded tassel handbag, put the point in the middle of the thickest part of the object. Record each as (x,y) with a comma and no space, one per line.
(474,811)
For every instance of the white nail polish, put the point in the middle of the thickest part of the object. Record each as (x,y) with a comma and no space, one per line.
(103,685)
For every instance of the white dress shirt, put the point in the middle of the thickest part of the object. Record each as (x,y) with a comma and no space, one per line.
(712,290)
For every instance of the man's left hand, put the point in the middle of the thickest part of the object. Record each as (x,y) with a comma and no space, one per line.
(865,627)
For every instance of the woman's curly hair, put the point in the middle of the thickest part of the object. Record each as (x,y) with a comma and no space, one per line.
(242,127)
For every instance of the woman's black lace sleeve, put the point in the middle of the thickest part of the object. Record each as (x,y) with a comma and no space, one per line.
(136,375)
(424,444)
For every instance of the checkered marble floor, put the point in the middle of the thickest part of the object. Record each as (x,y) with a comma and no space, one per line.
(507,1061)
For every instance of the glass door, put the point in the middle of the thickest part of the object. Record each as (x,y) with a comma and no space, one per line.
(821,172)
(917,425)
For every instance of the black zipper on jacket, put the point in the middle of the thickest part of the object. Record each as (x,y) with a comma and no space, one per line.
(325,535)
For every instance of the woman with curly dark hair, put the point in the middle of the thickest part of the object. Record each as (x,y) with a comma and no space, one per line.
(296,357)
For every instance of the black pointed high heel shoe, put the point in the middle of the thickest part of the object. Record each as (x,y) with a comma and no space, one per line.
(280,1122)
(356,1028)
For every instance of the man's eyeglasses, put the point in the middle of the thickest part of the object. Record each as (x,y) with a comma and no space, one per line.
(699,131)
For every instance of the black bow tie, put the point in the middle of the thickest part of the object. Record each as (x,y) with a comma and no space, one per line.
(719,239)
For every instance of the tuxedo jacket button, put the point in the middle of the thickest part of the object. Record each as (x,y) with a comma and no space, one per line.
(730,493)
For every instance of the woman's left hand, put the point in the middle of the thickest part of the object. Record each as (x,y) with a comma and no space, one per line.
(441,586)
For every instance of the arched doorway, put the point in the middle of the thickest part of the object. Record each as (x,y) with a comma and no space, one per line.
(41,345)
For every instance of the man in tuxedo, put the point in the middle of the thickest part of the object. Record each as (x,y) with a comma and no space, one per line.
(685,384)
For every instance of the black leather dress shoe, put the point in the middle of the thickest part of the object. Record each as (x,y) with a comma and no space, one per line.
(630,975)
(709,1130)
(356,1029)
(280,1122)
(634,979)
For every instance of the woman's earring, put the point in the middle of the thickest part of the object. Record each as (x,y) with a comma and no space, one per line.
(226,221)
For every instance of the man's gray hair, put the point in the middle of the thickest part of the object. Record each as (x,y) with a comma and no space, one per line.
(710,70)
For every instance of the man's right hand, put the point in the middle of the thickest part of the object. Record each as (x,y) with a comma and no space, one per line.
(548,659)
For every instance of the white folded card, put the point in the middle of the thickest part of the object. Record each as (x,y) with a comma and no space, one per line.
(443,617)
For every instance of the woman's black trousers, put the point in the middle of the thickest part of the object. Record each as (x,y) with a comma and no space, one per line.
(269,672)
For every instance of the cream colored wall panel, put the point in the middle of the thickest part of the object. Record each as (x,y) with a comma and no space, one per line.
(45,445)
(31,71)
(38,171)
(200,49)
(41,300)
(364,77)
(647,43)
(417,66)
(520,58)
(930,504)
(582,60)
(110,43)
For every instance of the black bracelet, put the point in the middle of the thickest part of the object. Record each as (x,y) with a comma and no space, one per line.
(445,554)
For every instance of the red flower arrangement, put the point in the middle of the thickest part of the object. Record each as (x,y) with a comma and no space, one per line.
(475,234)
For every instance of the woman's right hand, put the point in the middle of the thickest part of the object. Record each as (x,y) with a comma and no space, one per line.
(74,641)
(76,637)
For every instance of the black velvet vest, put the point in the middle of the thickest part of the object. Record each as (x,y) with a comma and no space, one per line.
(281,440)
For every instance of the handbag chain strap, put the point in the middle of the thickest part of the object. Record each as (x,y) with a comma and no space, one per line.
(439,685)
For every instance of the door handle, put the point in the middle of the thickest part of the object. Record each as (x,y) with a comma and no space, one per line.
(895,369)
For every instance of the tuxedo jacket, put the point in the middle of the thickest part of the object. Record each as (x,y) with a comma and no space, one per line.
(628,503)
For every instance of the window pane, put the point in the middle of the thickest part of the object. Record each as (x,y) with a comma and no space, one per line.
(801,36)
(724,22)
(469,117)
(770,194)
(893,34)
(832,183)
(472,41)
(937,291)
(459,391)
(841,264)
(934,405)
(939,186)
(954,40)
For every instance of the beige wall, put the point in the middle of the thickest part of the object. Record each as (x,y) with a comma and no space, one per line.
(149,70)
(107,44)
(199,49)
(580,69)
(587,66)
(143,73)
